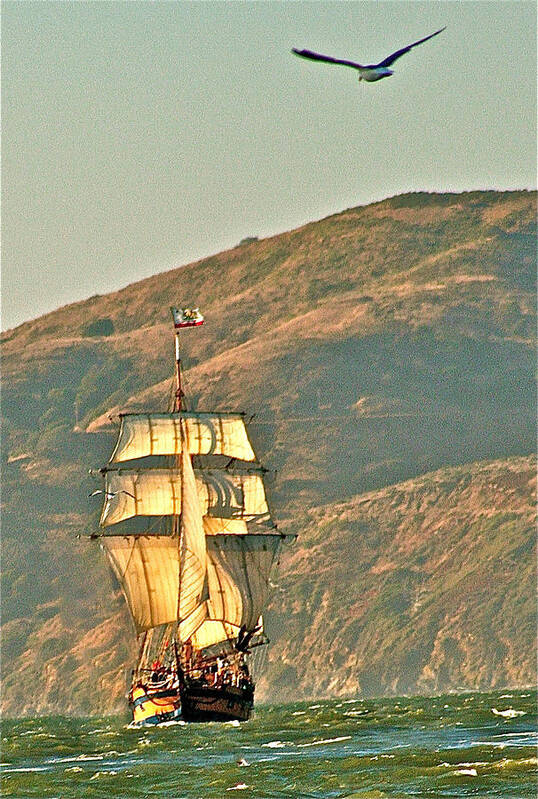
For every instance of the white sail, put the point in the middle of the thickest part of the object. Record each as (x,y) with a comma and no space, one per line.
(150,492)
(193,555)
(215,526)
(233,496)
(143,434)
(213,632)
(158,492)
(148,571)
(239,568)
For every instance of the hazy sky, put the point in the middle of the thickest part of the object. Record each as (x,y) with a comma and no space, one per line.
(138,136)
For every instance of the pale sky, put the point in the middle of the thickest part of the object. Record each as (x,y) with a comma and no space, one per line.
(139,136)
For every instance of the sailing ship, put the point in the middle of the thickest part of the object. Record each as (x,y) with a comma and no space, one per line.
(187,530)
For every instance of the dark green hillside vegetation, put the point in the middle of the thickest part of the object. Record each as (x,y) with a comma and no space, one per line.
(373,346)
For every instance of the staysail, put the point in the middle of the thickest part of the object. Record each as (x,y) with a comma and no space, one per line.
(193,588)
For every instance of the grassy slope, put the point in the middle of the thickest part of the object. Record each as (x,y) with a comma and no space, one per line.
(426,585)
(374,345)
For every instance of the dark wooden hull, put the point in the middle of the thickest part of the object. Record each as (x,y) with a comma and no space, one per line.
(216,703)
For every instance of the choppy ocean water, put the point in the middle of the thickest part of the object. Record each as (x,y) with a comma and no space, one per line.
(479,745)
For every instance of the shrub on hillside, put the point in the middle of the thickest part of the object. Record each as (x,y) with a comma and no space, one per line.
(54,439)
(99,327)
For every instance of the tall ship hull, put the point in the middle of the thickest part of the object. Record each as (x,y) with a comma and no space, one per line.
(192,701)
(187,530)
(208,703)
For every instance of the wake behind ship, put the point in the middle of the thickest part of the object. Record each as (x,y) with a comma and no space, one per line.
(187,530)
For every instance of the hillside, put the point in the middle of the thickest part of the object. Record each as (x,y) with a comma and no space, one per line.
(374,346)
(420,587)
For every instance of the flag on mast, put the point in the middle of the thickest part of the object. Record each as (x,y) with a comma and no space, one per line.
(187,317)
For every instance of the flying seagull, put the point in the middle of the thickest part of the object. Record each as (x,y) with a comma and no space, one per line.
(368,72)
(111,494)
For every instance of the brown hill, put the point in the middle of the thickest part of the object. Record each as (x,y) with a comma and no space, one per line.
(420,587)
(373,346)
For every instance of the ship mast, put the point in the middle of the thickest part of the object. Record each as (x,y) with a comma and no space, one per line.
(178,399)
(183,317)
(178,403)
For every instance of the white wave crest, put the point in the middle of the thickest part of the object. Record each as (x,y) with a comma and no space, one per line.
(509,713)
(326,741)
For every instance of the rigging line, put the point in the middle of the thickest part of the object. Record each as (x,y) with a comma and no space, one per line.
(180,522)
(221,590)
(185,400)
(144,651)
(171,393)
(320,418)
(249,588)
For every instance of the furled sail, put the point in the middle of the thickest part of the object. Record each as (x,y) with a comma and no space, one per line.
(143,434)
(158,492)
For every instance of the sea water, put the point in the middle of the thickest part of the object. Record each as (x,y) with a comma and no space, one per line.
(471,744)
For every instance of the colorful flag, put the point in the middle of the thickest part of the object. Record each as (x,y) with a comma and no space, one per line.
(187,317)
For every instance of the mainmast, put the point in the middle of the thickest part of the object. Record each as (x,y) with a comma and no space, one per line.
(184,317)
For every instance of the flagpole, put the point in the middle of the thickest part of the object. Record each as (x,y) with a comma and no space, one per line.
(183,317)
(179,391)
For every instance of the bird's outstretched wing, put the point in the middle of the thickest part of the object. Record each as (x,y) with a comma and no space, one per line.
(392,58)
(327,58)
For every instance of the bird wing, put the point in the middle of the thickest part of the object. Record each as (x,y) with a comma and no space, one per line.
(327,58)
(392,58)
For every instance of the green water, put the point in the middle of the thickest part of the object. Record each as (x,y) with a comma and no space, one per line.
(479,745)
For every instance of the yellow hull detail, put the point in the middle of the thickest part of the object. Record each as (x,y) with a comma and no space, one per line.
(154,708)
